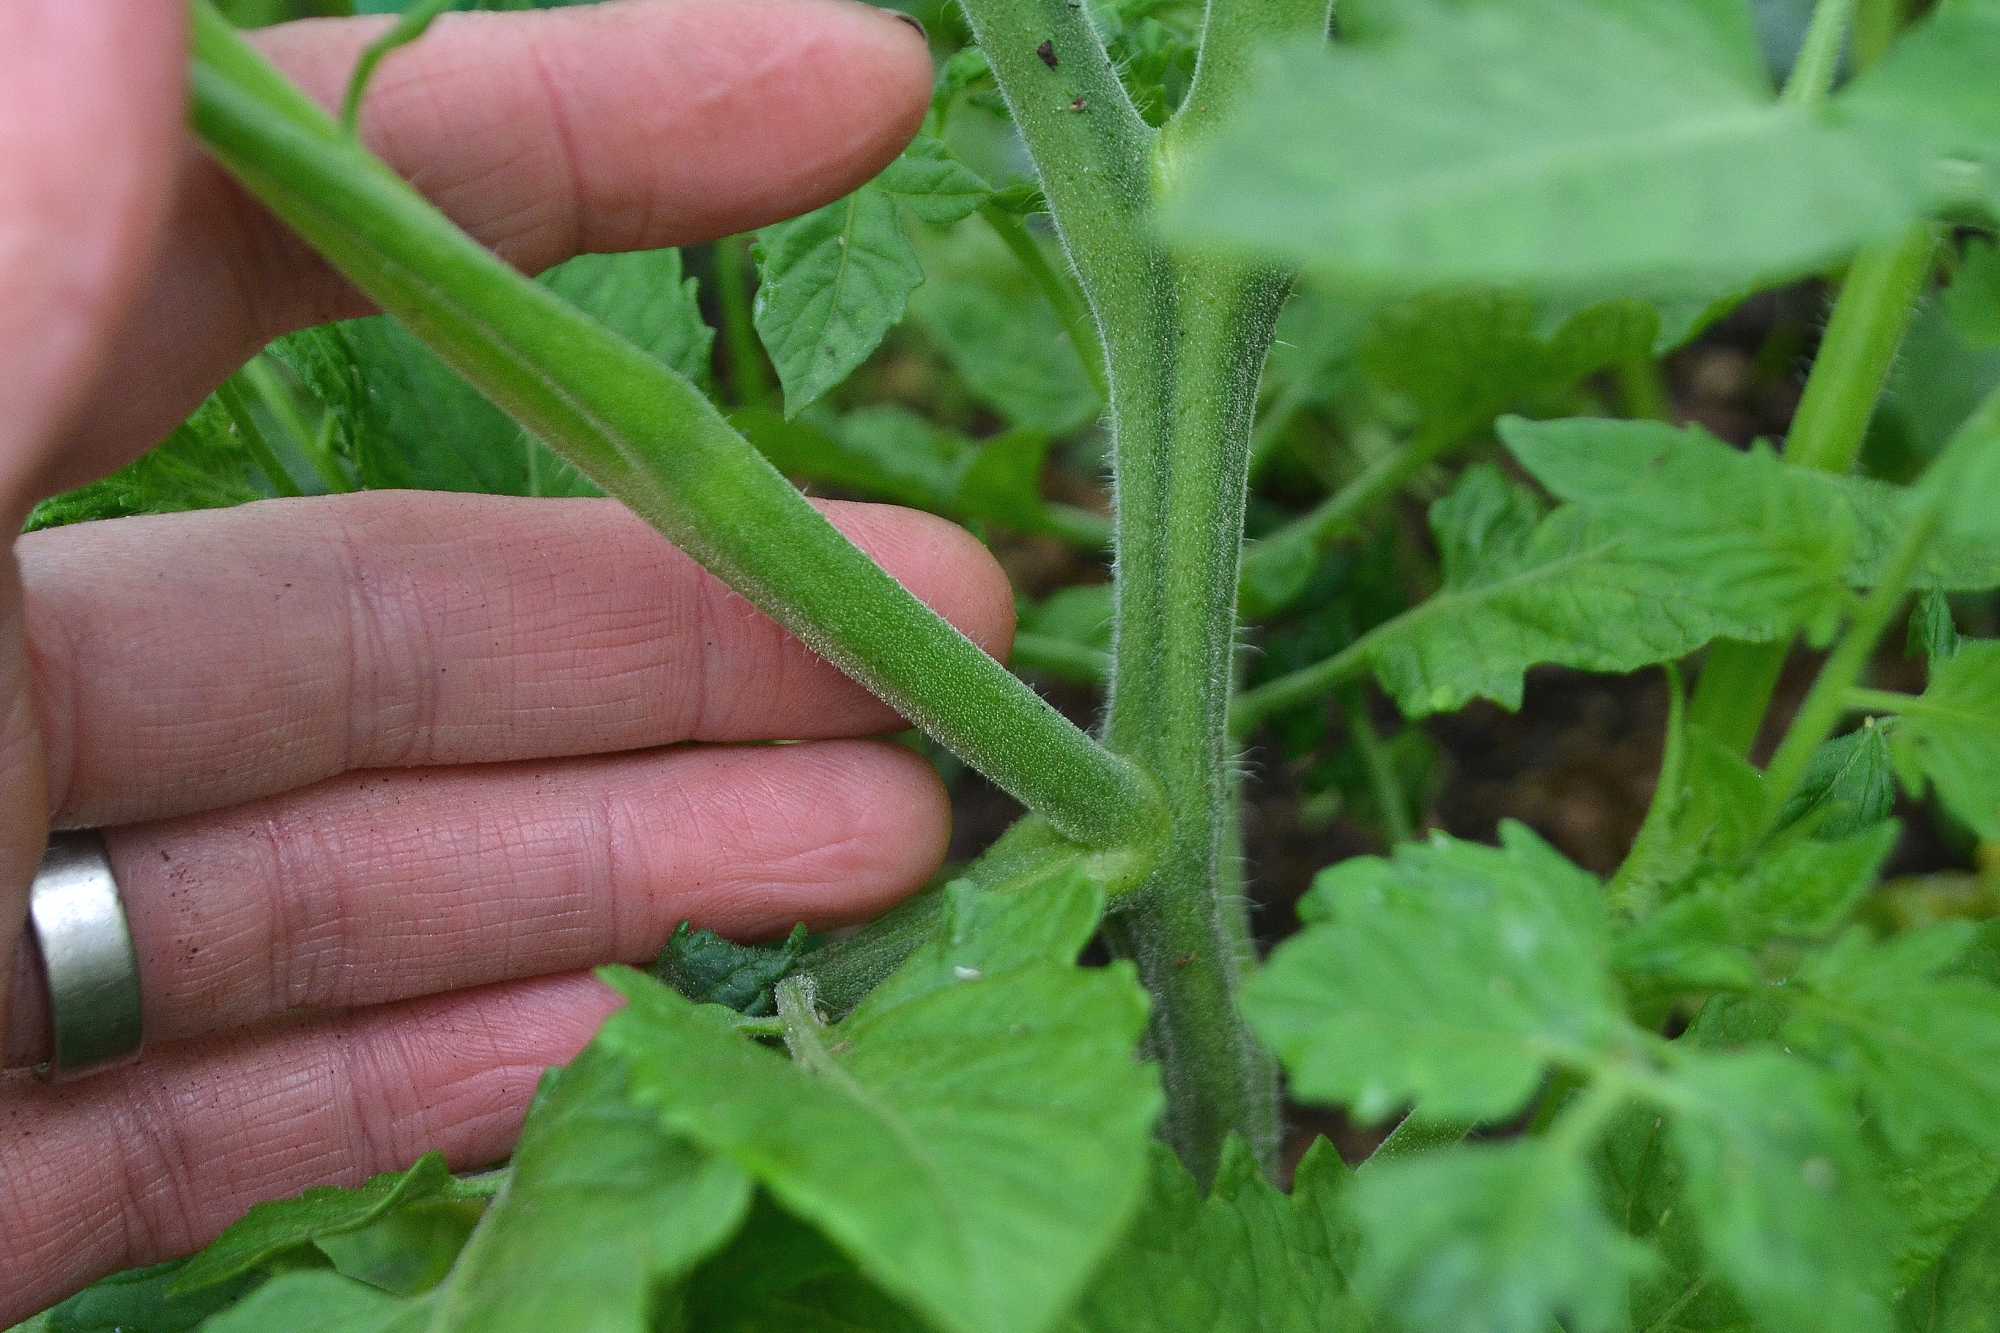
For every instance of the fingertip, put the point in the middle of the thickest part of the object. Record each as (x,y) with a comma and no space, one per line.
(901,819)
(844,830)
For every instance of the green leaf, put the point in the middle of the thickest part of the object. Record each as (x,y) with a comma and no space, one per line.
(1711,933)
(1000,334)
(1245,1259)
(1463,356)
(834,282)
(1448,979)
(1921,1046)
(1961,1293)
(1509,1239)
(1933,632)
(1685,481)
(1934,93)
(144,1300)
(932,184)
(780,1274)
(903,1133)
(1950,737)
(1576,590)
(325,1303)
(204,464)
(1849,785)
(1940,377)
(1046,916)
(1574,146)
(270,1231)
(1936,1195)
(708,969)
(411,423)
(604,1209)
(1781,1191)
(409,1251)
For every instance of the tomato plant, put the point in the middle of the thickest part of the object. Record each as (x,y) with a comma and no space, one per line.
(1738,1081)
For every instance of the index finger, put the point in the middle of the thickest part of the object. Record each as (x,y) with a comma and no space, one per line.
(625,126)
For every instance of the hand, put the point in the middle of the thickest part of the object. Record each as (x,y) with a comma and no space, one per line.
(381,774)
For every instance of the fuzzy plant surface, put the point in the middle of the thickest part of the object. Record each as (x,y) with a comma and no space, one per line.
(1353,343)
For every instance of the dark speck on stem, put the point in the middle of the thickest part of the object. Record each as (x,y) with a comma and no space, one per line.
(1047,51)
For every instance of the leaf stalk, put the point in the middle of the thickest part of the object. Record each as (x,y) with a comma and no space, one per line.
(653,440)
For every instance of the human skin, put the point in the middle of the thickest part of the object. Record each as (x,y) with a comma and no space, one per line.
(383,776)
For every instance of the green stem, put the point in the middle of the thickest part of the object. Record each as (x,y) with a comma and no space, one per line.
(315,444)
(1090,146)
(414,23)
(1861,700)
(1875,29)
(1383,780)
(1343,512)
(1877,302)
(1824,705)
(845,970)
(1181,488)
(1060,293)
(649,437)
(1878,299)
(1658,825)
(1819,55)
(1587,1115)
(230,395)
(805,1031)
(749,375)
(1643,390)
(1233,32)
(1184,348)
(1303,686)
(1827,702)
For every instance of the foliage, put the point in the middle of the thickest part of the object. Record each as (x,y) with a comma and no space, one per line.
(1735,1082)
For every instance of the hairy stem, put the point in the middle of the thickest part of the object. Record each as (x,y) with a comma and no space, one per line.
(1830,695)
(1343,512)
(1819,55)
(1303,686)
(1233,31)
(1184,344)
(1090,146)
(1877,302)
(650,438)
(1181,500)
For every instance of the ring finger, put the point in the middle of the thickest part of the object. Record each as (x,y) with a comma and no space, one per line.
(377,887)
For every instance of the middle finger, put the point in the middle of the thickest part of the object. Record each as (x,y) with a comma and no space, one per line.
(378,887)
(194,661)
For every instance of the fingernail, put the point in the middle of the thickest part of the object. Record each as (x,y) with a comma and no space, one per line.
(914,22)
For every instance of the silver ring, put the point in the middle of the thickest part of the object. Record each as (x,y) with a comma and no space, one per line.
(87,957)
